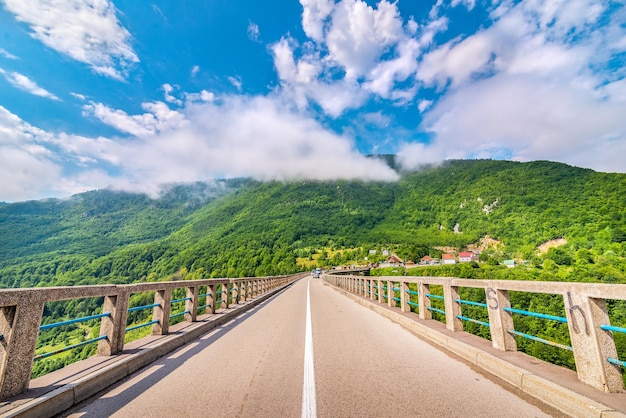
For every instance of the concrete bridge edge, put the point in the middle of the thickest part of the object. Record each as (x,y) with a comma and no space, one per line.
(63,398)
(542,389)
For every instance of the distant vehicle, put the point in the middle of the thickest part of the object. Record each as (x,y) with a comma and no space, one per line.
(316,273)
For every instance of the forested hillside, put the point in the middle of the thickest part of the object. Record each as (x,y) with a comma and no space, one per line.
(249,228)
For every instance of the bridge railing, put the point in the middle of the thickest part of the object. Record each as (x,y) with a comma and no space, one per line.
(21,312)
(586,315)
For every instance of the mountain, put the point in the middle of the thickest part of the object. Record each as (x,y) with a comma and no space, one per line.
(245,227)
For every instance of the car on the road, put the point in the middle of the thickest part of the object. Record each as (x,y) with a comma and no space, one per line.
(316,273)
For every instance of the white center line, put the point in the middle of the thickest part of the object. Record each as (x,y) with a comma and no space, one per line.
(309,405)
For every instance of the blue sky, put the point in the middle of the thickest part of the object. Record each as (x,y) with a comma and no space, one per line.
(133,95)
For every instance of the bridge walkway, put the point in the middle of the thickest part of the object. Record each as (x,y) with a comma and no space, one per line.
(363,365)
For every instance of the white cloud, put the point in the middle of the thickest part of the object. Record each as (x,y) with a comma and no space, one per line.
(359,35)
(158,118)
(235,81)
(359,51)
(234,136)
(85,30)
(257,137)
(526,119)
(167,90)
(31,163)
(24,83)
(314,13)
(78,96)
(423,105)
(253,31)
(7,54)
(195,70)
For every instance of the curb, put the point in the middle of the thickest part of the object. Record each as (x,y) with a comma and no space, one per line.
(63,398)
(540,388)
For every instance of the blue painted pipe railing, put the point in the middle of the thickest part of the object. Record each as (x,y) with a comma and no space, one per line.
(179,314)
(146,324)
(430,308)
(141,308)
(613,328)
(541,340)
(536,315)
(470,302)
(69,347)
(180,300)
(412,292)
(430,295)
(476,321)
(73,321)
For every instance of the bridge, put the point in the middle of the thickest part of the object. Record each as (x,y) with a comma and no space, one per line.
(342,345)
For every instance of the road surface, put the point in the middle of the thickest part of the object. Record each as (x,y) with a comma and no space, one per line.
(358,364)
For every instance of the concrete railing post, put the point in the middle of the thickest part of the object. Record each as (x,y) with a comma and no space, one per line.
(161,313)
(405,297)
(424,301)
(452,307)
(192,305)
(210,299)
(379,285)
(592,345)
(225,295)
(390,294)
(235,292)
(500,321)
(114,326)
(19,326)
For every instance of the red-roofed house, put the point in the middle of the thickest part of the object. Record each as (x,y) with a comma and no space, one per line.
(465,257)
(448,259)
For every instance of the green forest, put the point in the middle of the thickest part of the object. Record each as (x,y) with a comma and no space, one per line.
(243,227)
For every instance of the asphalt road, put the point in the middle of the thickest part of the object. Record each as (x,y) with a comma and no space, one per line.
(359,365)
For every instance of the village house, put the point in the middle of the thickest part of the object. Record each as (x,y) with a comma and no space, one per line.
(465,257)
(509,263)
(392,261)
(448,259)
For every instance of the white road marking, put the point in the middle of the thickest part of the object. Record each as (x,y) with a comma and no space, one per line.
(309,404)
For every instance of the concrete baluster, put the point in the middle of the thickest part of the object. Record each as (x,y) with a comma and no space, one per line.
(192,292)
(161,313)
(210,299)
(424,301)
(452,308)
(114,326)
(235,292)
(405,297)
(592,345)
(225,295)
(19,326)
(500,321)
(390,294)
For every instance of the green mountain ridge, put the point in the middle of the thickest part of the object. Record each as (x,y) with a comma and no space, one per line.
(249,228)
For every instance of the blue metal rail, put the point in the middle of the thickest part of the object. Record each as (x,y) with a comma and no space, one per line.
(613,328)
(146,324)
(465,318)
(430,308)
(617,361)
(73,321)
(141,308)
(470,302)
(541,340)
(397,299)
(430,295)
(204,306)
(536,315)
(413,303)
(179,314)
(179,300)
(69,347)
(412,292)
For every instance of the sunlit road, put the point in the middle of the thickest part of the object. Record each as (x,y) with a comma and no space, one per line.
(361,365)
